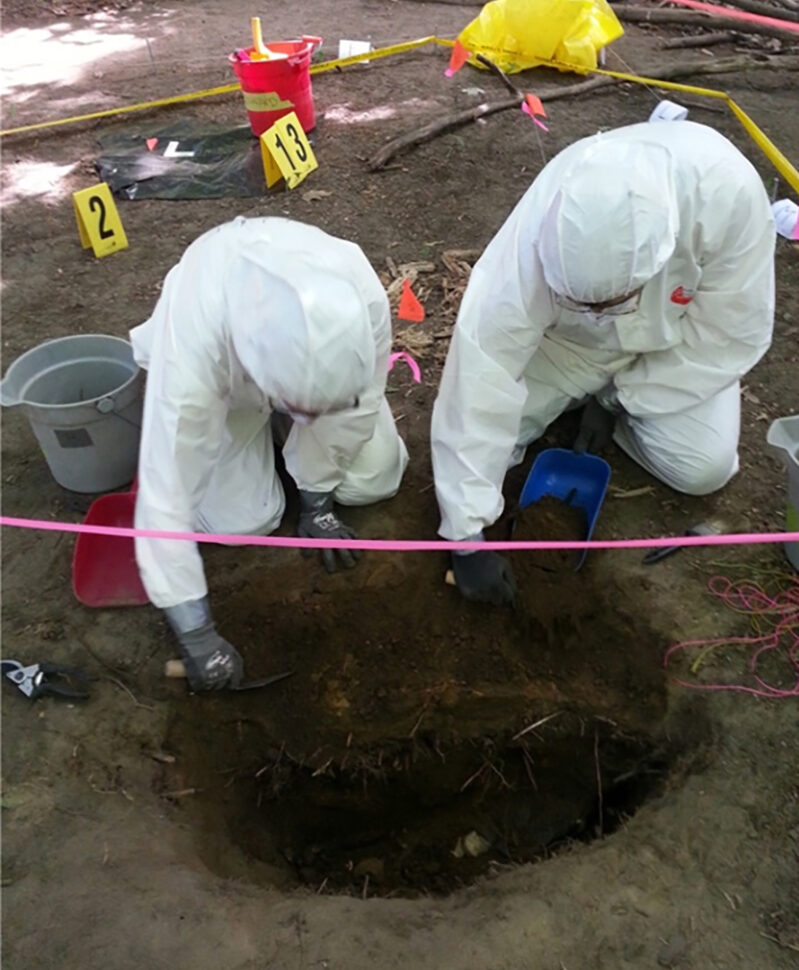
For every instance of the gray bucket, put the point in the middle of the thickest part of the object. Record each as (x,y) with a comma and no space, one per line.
(783,439)
(83,396)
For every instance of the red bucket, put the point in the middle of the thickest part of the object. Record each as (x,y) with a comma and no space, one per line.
(275,87)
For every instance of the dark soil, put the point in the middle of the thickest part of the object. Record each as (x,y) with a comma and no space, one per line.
(547,520)
(148,827)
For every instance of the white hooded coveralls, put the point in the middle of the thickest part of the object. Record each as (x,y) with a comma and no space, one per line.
(673,208)
(259,315)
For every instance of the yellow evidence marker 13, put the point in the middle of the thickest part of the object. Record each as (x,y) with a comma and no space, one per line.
(99,224)
(286,152)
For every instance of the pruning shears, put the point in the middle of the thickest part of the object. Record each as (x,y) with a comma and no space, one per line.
(38,679)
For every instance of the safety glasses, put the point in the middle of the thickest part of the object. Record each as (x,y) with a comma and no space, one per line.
(307,417)
(612,308)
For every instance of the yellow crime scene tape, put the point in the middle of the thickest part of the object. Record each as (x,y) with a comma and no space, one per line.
(763,142)
(758,136)
(223,89)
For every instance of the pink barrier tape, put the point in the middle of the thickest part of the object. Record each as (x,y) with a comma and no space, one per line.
(402,355)
(754,18)
(398,545)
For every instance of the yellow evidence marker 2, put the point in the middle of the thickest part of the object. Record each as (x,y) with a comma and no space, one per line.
(99,224)
(286,152)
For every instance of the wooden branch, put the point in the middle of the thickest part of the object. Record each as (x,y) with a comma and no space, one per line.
(787,11)
(434,128)
(753,6)
(501,75)
(698,18)
(449,122)
(698,40)
(765,9)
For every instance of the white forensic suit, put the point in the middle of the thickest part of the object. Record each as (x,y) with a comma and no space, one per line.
(672,210)
(260,315)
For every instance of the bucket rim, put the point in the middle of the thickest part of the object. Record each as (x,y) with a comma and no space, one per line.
(304,48)
(68,339)
(135,374)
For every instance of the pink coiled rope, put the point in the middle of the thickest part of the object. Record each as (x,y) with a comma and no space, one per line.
(779,611)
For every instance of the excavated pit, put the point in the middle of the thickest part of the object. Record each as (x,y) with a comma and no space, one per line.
(415,817)
(422,741)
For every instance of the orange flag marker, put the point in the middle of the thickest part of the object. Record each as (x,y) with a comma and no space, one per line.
(409,307)
(532,106)
(457,59)
(534,103)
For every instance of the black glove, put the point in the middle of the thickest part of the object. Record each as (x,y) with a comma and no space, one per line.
(484,577)
(211,662)
(319,521)
(596,428)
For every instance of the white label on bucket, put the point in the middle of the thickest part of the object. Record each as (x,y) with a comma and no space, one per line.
(669,111)
(786,218)
(351,48)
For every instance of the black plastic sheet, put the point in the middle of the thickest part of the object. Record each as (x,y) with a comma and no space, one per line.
(182,160)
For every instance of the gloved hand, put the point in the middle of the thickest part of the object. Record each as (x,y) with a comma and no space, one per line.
(319,521)
(211,662)
(596,428)
(484,577)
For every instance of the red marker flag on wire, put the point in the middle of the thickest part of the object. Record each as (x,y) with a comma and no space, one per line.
(532,106)
(457,59)
(409,307)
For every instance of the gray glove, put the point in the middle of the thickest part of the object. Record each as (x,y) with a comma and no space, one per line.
(596,428)
(484,577)
(319,521)
(211,662)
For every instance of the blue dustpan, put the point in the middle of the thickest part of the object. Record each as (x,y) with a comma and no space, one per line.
(580,480)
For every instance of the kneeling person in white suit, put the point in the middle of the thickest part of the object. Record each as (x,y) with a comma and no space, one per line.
(260,317)
(637,273)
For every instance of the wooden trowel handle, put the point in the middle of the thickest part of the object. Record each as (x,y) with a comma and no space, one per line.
(174,668)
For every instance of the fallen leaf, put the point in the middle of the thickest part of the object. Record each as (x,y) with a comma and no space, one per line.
(314,195)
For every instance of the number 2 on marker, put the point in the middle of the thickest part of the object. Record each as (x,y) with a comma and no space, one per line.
(95,202)
(99,224)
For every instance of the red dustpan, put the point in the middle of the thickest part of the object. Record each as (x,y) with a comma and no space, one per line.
(104,570)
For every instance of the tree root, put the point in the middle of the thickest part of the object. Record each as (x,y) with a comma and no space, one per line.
(698,18)
(698,40)
(451,121)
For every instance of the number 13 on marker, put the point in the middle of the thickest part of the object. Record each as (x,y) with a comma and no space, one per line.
(99,224)
(285,152)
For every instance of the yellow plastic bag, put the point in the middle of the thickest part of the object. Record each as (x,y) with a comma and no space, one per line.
(519,34)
